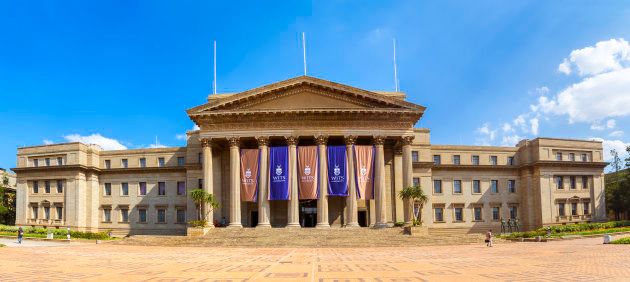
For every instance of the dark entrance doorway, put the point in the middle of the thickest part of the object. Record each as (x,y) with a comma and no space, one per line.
(362,218)
(254,218)
(308,213)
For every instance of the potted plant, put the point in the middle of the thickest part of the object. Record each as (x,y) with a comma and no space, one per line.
(415,198)
(204,203)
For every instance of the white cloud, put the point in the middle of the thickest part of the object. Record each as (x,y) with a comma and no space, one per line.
(610,124)
(534,126)
(542,90)
(597,126)
(617,133)
(48,142)
(98,139)
(181,137)
(604,57)
(511,140)
(153,146)
(487,132)
(507,127)
(195,127)
(616,145)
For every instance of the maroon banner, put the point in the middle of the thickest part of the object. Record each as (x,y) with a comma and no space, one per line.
(364,171)
(249,174)
(308,188)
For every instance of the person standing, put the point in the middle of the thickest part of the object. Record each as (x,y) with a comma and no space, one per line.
(489,238)
(20,235)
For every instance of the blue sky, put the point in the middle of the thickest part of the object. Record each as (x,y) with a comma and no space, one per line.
(489,72)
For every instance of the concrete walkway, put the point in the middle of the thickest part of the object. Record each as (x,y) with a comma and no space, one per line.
(574,260)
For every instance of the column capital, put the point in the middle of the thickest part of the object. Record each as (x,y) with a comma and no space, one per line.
(321,139)
(234,141)
(262,141)
(291,140)
(379,140)
(350,139)
(407,140)
(206,142)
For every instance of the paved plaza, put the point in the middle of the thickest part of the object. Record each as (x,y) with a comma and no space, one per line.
(574,260)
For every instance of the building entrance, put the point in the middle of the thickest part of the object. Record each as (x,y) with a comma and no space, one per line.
(254,219)
(362,218)
(308,213)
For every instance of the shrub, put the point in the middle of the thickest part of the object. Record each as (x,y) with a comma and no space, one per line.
(198,223)
(2,245)
(586,226)
(621,241)
(399,224)
(57,233)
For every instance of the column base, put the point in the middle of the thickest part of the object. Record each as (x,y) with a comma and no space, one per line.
(380,225)
(263,225)
(293,225)
(353,225)
(235,225)
(322,226)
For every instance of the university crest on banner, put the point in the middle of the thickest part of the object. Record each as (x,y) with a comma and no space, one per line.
(278,173)
(308,185)
(249,174)
(337,171)
(364,165)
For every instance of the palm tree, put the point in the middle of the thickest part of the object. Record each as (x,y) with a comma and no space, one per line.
(202,198)
(415,196)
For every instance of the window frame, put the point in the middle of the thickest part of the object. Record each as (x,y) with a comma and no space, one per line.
(475,160)
(142,162)
(146,191)
(494,186)
(511,186)
(456,159)
(461,213)
(124,193)
(440,186)
(494,160)
(478,186)
(475,208)
(435,214)
(183,193)
(498,209)
(460,187)
(161,187)
(107,189)
(161,162)
(161,220)
(437,160)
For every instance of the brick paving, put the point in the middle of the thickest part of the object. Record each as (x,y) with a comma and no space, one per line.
(574,260)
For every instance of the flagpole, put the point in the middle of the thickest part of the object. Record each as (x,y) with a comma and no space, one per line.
(304,50)
(214,81)
(395,68)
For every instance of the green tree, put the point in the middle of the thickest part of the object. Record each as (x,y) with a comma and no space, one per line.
(204,202)
(415,198)
(618,187)
(7,202)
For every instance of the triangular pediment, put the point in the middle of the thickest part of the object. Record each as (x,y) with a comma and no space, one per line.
(303,94)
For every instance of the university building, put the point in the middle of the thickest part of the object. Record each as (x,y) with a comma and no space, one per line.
(257,150)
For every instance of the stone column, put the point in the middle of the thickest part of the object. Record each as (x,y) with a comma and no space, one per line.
(294,202)
(206,147)
(379,182)
(263,184)
(235,183)
(407,170)
(322,201)
(351,200)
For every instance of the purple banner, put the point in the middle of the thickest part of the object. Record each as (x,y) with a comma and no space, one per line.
(279,173)
(337,171)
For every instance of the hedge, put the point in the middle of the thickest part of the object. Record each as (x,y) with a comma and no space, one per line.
(621,241)
(57,233)
(570,228)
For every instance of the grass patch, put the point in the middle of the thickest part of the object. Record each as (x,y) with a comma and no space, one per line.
(39,232)
(622,241)
(2,245)
(574,229)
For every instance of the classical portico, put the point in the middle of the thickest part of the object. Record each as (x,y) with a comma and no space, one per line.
(306,111)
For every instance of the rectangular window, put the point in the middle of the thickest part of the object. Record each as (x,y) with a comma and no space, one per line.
(200,158)
(586,206)
(416,181)
(124,215)
(47,213)
(459,214)
(59,186)
(510,161)
(512,186)
(143,162)
(161,162)
(476,186)
(35,212)
(142,188)
(124,189)
(574,209)
(477,212)
(571,157)
(475,160)
(584,182)
(558,156)
(107,189)
(437,160)
(200,183)
(181,188)
(161,215)
(142,215)
(494,186)
(35,187)
(456,160)
(493,160)
(439,214)
(59,161)
(161,188)
(572,181)
(124,163)
(561,209)
(495,213)
(181,161)
(59,213)
(437,186)
(559,182)
(47,187)
(35,162)
(414,156)
(513,212)
(47,160)
(181,216)
(108,164)
(584,158)
(107,215)
(457,186)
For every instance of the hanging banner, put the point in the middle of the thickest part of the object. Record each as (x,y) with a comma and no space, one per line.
(337,171)
(307,172)
(279,173)
(364,171)
(249,174)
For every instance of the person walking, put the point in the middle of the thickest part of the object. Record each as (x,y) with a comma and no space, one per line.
(489,238)
(20,235)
